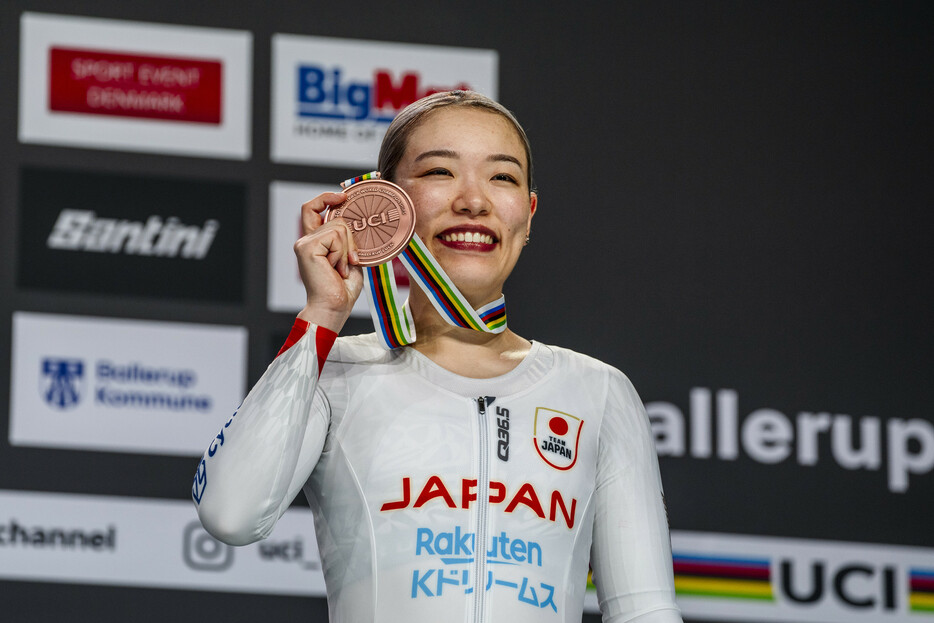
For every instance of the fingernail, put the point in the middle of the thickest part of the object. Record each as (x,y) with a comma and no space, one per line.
(355,257)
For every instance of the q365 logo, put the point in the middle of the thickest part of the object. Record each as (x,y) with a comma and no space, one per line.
(62,382)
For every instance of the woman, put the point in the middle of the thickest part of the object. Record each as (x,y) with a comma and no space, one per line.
(464,477)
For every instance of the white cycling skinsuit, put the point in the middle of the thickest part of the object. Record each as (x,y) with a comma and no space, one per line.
(438,497)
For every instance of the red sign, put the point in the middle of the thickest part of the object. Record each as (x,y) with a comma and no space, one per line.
(131,85)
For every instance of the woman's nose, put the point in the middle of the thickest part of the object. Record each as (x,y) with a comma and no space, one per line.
(471,199)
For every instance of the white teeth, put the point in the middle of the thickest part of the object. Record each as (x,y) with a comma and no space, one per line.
(469,236)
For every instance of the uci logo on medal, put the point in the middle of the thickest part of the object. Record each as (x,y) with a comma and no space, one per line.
(62,382)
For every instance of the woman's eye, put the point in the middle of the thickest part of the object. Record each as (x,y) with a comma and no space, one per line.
(437,172)
(504,177)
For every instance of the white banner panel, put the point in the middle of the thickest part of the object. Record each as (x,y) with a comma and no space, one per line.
(123,385)
(108,84)
(332,99)
(160,543)
(53,537)
(726,577)
(286,292)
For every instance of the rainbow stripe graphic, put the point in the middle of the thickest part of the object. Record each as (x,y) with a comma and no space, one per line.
(921,590)
(372,175)
(437,286)
(727,578)
(493,315)
(393,321)
(390,318)
(445,297)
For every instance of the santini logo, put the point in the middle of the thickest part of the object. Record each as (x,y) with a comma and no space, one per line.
(82,230)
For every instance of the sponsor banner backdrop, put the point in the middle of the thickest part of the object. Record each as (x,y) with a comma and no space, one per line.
(53,537)
(166,238)
(726,577)
(123,385)
(286,292)
(108,84)
(721,577)
(332,99)
(892,455)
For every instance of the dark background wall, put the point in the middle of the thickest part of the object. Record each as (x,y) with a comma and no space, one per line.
(732,196)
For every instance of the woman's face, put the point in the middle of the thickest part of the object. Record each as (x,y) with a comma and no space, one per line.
(465,170)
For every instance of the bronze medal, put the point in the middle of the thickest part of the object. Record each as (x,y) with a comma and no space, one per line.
(381,218)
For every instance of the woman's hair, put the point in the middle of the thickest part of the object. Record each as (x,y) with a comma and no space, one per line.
(397,136)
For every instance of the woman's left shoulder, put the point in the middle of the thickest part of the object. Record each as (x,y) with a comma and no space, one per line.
(572,358)
(608,382)
(603,386)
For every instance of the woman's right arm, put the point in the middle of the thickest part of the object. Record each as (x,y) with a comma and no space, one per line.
(258,462)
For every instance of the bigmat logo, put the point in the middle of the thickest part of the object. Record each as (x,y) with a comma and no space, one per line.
(140,236)
(334,98)
(133,86)
(286,293)
(745,578)
(121,385)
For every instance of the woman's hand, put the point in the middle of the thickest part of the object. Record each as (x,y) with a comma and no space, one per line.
(327,259)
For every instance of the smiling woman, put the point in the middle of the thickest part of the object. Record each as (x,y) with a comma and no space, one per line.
(466,173)
(471,475)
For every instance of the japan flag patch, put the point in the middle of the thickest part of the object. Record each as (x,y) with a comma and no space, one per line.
(557,436)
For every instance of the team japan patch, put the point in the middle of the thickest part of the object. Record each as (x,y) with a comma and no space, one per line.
(557,436)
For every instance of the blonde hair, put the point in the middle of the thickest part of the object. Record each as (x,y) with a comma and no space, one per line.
(409,118)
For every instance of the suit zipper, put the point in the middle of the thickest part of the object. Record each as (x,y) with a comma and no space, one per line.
(483,499)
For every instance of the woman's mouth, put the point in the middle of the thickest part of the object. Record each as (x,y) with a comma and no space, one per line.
(468,239)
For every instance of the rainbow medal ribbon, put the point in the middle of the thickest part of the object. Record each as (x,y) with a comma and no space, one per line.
(392,318)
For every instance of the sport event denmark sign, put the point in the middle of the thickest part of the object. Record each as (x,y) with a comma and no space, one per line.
(133,85)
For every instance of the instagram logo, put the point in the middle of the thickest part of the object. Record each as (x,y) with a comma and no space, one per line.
(203,552)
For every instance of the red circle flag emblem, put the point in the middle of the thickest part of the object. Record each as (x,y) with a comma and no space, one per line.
(557,436)
(558,426)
